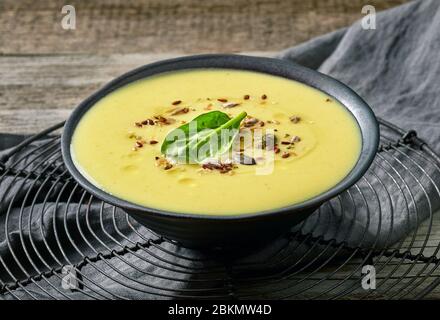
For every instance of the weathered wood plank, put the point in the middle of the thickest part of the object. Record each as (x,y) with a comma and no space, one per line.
(39,91)
(129,26)
(29,121)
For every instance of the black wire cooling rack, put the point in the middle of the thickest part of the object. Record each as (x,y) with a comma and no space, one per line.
(59,242)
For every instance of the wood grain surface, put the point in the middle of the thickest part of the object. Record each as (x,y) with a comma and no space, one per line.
(146,26)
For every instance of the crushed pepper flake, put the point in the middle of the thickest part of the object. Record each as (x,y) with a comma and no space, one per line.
(161,120)
(163,162)
(230,105)
(139,144)
(250,121)
(180,111)
(221,167)
(295,119)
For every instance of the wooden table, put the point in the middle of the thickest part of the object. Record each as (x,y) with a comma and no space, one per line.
(45,71)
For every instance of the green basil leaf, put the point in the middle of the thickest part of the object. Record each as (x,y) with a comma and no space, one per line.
(207,136)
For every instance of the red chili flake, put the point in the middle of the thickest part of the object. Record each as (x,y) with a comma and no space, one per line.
(285,155)
(276,150)
(138,124)
(328,100)
(156,158)
(168,166)
(246,97)
(286,142)
(264,97)
(153,141)
(175,103)
(222,100)
(261,123)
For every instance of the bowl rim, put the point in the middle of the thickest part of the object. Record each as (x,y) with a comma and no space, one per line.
(361,112)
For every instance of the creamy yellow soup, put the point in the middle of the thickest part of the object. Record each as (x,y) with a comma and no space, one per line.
(117,143)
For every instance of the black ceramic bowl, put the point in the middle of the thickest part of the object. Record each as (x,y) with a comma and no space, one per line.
(195,230)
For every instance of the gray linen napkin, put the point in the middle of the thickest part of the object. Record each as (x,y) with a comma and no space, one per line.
(395,68)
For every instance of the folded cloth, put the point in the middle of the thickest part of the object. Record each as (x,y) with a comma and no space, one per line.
(395,68)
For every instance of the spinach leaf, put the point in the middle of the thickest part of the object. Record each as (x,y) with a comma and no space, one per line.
(207,136)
